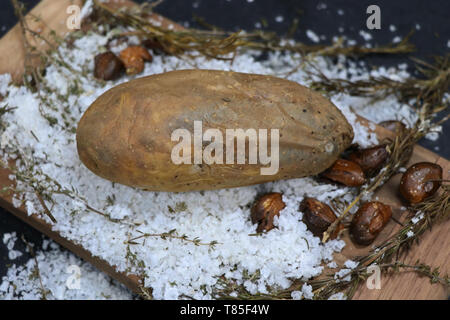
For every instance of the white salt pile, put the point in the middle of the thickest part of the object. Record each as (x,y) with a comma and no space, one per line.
(63,276)
(174,268)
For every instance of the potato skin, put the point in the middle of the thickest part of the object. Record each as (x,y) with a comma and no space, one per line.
(125,135)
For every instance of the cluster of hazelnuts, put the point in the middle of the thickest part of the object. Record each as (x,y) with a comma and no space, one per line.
(419,181)
(108,66)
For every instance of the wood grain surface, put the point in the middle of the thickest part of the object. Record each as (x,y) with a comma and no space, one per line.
(433,249)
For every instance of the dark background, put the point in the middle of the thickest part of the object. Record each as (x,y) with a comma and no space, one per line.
(432,16)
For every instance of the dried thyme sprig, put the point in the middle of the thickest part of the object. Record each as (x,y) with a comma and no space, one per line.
(431,88)
(36,271)
(219,44)
(31,51)
(44,189)
(37,59)
(136,268)
(172,234)
(4,110)
(324,288)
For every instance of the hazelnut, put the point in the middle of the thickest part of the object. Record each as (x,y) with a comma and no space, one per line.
(420,181)
(346,172)
(318,216)
(107,66)
(370,159)
(265,209)
(133,58)
(368,222)
(393,125)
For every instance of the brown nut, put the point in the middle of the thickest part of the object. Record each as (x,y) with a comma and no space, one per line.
(107,66)
(346,172)
(133,58)
(368,221)
(370,159)
(420,181)
(318,216)
(265,209)
(393,125)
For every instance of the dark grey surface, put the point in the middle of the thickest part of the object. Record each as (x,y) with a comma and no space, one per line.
(431,39)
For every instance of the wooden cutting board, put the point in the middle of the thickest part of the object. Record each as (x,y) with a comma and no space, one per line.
(434,247)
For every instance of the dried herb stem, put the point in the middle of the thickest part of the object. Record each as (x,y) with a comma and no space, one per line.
(430,89)
(44,206)
(173,235)
(218,44)
(36,268)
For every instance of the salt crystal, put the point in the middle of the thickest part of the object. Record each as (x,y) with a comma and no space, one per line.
(312,36)
(21,282)
(296,295)
(332,265)
(396,39)
(350,264)
(307,291)
(367,36)
(321,6)
(338,296)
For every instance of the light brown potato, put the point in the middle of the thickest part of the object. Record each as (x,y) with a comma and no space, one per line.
(125,135)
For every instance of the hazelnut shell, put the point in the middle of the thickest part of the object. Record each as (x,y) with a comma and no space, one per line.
(107,66)
(133,58)
(318,216)
(265,209)
(346,172)
(368,222)
(370,159)
(415,185)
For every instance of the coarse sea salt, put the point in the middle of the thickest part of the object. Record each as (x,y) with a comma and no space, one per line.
(9,240)
(366,36)
(175,268)
(338,296)
(279,18)
(351,264)
(63,275)
(312,36)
